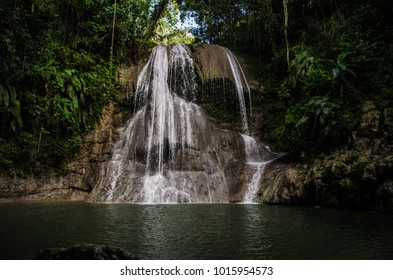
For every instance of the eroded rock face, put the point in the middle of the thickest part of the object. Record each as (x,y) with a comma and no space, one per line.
(371,119)
(98,147)
(213,172)
(31,188)
(388,122)
(169,152)
(212,163)
(342,179)
(357,176)
(211,62)
(82,173)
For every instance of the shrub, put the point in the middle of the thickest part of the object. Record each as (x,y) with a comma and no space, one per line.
(312,124)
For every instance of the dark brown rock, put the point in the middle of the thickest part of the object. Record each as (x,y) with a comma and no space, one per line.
(86,252)
(371,119)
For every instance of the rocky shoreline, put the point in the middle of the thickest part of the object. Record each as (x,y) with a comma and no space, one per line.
(358,176)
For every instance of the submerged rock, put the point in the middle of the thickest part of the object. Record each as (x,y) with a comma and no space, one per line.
(86,252)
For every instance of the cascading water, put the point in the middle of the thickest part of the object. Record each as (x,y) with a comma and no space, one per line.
(257,157)
(169,151)
(253,185)
(170,121)
(239,80)
(182,73)
(163,156)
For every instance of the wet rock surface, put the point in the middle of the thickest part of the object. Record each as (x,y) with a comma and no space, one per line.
(214,162)
(358,175)
(169,151)
(86,252)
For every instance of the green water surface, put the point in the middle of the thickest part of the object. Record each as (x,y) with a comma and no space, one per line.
(196,231)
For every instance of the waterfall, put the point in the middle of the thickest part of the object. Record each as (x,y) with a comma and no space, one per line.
(253,185)
(239,81)
(256,157)
(182,73)
(159,159)
(169,152)
(169,116)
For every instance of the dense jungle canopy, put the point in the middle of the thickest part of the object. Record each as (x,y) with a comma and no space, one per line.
(317,61)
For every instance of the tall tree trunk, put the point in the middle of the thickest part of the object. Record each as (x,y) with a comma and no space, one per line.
(270,24)
(157,14)
(133,56)
(112,43)
(285,4)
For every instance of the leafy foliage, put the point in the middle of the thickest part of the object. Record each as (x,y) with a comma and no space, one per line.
(310,76)
(339,56)
(55,73)
(316,122)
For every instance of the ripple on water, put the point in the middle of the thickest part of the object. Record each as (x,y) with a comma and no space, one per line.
(196,231)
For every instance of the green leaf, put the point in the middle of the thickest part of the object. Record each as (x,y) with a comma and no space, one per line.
(17,110)
(326,111)
(341,57)
(342,65)
(74,102)
(353,73)
(13,97)
(35,110)
(76,83)
(336,72)
(6,98)
(302,121)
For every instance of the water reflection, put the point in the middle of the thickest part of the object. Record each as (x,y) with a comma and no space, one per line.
(196,231)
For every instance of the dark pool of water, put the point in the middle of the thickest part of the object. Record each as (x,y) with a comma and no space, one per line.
(197,231)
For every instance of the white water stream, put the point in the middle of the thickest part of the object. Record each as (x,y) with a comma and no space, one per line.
(168,153)
(239,79)
(254,158)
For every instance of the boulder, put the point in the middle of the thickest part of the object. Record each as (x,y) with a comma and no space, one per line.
(86,252)
(211,62)
(388,117)
(371,119)
(385,196)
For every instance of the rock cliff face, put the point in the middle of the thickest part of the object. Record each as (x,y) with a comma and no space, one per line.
(357,176)
(214,160)
(31,188)
(80,177)
(169,152)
